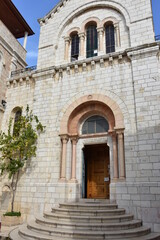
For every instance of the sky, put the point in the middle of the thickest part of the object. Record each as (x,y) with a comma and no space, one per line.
(32,10)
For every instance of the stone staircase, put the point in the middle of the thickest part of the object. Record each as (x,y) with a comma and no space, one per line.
(87,219)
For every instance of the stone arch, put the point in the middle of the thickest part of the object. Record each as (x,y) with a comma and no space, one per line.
(88,20)
(75,29)
(85,7)
(14,110)
(109,19)
(91,104)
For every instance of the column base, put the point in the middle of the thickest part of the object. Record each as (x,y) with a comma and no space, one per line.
(122,179)
(62,180)
(73,180)
(81,58)
(115,180)
(101,53)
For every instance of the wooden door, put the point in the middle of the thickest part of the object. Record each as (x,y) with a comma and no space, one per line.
(97,157)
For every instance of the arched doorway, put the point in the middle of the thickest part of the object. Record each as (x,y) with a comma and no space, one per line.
(96,171)
(96,162)
(103,115)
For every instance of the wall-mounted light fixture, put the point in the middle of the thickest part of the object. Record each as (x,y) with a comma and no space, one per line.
(3,102)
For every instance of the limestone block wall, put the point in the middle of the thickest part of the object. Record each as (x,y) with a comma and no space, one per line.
(12,57)
(142,195)
(135,21)
(131,79)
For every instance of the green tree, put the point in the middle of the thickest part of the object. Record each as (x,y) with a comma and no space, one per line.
(17,146)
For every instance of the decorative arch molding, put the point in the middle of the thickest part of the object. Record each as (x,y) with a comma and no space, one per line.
(73,117)
(113,112)
(14,110)
(85,7)
(75,29)
(86,110)
(88,20)
(109,19)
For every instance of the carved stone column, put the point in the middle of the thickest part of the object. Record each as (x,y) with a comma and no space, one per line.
(115,156)
(67,43)
(117,35)
(100,41)
(82,45)
(64,139)
(121,155)
(74,141)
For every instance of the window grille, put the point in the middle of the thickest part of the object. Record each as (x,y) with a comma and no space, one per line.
(92,41)
(95,124)
(110,39)
(74,47)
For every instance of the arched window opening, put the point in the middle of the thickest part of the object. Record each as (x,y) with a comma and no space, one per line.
(74,47)
(110,39)
(92,40)
(95,124)
(18,114)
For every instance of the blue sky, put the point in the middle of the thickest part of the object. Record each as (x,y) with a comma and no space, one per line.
(34,9)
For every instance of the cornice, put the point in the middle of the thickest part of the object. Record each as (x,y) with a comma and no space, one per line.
(81,66)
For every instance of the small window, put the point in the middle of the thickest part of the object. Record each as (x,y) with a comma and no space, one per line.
(110,39)
(18,114)
(95,124)
(92,41)
(74,47)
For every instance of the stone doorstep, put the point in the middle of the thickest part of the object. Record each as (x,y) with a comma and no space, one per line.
(90,212)
(90,225)
(14,235)
(117,218)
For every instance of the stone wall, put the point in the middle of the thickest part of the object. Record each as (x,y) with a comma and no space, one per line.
(135,18)
(130,77)
(12,57)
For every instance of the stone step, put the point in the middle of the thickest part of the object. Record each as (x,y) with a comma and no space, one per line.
(89,226)
(88,206)
(91,200)
(63,233)
(27,234)
(89,219)
(91,212)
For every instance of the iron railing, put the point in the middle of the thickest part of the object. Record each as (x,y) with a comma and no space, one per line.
(157,38)
(23,70)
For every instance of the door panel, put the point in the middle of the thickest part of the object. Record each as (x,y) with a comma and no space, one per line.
(97,157)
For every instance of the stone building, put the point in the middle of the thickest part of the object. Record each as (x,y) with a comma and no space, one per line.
(12,54)
(96,89)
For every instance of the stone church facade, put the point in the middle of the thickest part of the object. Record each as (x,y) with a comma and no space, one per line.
(96,89)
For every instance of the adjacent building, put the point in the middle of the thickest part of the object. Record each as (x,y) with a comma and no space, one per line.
(12,54)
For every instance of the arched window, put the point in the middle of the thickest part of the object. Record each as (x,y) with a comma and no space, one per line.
(74,47)
(18,114)
(110,39)
(95,124)
(92,40)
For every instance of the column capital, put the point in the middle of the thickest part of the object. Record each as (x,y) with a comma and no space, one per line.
(64,138)
(111,133)
(74,139)
(100,29)
(81,35)
(67,39)
(116,25)
(119,130)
